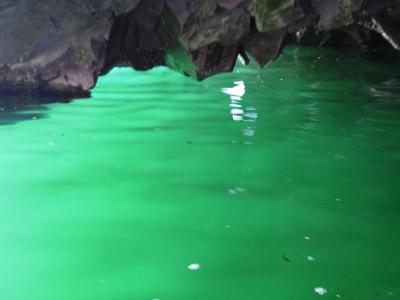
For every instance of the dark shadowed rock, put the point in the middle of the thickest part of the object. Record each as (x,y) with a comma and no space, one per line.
(61,47)
(52,45)
(264,46)
(204,40)
(137,37)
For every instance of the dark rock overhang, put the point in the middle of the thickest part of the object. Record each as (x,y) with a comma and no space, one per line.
(62,47)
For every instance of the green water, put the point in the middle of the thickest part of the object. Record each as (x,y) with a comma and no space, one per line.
(259,184)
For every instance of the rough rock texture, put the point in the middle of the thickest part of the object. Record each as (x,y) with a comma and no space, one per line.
(62,46)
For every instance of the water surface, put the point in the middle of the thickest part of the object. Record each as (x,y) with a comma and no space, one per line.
(281,183)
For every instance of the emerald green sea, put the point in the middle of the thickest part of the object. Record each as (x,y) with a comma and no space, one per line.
(280,183)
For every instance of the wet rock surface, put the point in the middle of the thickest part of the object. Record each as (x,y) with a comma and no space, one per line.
(62,47)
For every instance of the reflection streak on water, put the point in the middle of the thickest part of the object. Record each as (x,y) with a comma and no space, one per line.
(238,111)
(236,93)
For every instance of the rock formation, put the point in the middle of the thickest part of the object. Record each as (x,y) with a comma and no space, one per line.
(62,46)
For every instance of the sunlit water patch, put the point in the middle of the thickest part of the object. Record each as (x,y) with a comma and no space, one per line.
(281,183)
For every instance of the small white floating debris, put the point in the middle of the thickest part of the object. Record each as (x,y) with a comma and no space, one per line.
(194,267)
(310,258)
(338,296)
(320,291)
(51,144)
(338,200)
(307,238)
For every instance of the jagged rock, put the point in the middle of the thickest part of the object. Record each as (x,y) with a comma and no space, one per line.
(274,14)
(354,23)
(264,46)
(62,46)
(55,45)
(51,44)
(204,40)
(386,24)
(137,37)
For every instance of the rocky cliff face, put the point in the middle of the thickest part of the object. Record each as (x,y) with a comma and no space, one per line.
(64,45)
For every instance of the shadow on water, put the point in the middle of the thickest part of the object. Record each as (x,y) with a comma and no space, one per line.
(18,106)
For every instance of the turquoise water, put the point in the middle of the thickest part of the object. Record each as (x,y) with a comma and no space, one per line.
(281,183)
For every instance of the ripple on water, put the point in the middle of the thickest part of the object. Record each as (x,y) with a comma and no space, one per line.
(160,187)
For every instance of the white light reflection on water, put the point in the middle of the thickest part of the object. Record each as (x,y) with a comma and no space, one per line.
(236,93)
(239,111)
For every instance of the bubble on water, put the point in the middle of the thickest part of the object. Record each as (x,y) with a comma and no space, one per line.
(320,291)
(194,267)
